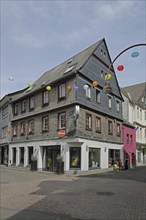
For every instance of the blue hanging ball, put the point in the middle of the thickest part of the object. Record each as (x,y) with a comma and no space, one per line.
(135,54)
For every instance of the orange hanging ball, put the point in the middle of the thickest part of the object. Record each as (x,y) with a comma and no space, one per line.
(94,83)
(69,88)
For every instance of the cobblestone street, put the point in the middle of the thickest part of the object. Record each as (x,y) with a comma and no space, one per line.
(103,196)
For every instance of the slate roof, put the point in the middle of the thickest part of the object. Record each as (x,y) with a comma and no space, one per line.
(77,61)
(135,91)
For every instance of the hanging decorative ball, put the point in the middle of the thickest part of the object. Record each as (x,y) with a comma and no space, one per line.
(11,78)
(30,85)
(94,83)
(75,88)
(120,67)
(108,76)
(69,88)
(86,87)
(48,88)
(135,54)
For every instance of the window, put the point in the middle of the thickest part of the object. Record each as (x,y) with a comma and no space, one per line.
(31,103)
(75,157)
(46,98)
(61,91)
(4,132)
(88,93)
(140,133)
(31,126)
(140,114)
(98,124)
(45,123)
(5,112)
(88,121)
(137,112)
(15,130)
(22,128)
(114,155)
(94,158)
(98,96)
(127,138)
(16,109)
(69,69)
(118,130)
(109,102)
(62,120)
(110,127)
(102,74)
(118,106)
(131,139)
(24,106)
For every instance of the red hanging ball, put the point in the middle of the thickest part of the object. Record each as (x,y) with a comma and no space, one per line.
(120,67)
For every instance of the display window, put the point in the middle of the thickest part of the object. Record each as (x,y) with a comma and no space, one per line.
(94,158)
(75,157)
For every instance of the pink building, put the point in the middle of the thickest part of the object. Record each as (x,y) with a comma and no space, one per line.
(129,139)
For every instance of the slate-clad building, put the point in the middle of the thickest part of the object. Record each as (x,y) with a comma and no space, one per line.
(90,118)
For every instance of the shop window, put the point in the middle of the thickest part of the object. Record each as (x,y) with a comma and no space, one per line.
(114,155)
(61,92)
(62,120)
(88,121)
(94,158)
(75,157)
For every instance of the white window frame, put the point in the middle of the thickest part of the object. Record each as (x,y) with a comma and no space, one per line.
(22,128)
(62,92)
(24,106)
(118,105)
(31,101)
(45,123)
(16,108)
(31,126)
(98,124)
(46,97)
(110,102)
(98,96)
(62,120)
(88,121)
(88,93)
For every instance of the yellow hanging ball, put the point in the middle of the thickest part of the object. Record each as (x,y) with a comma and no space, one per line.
(48,88)
(107,76)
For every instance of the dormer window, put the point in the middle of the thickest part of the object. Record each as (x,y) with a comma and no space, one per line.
(24,106)
(31,103)
(16,109)
(88,93)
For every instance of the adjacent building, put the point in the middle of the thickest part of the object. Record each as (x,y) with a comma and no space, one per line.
(134,111)
(65,113)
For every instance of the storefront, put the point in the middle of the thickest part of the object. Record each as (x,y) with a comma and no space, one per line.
(114,155)
(94,158)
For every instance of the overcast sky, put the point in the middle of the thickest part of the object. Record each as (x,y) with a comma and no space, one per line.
(38,35)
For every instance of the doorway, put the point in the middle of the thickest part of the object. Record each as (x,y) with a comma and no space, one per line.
(30,153)
(51,157)
(21,156)
(14,156)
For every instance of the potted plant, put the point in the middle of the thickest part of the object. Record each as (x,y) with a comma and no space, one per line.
(60,164)
(33,163)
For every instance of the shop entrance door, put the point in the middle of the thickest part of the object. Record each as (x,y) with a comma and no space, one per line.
(14,156)
(51,155)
